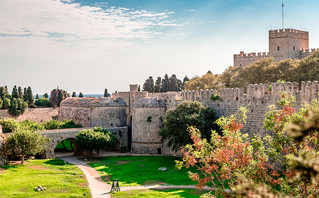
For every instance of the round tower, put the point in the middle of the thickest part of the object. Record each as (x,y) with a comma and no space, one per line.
(147,120)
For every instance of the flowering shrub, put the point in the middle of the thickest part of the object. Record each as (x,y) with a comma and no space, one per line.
(57,95)
(236,160)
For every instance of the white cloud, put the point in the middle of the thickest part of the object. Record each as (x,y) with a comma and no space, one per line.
(73,24)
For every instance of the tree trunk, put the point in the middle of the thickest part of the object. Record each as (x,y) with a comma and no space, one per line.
(98,152)
(22,159)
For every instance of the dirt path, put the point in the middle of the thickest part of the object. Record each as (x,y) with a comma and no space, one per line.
(98,188)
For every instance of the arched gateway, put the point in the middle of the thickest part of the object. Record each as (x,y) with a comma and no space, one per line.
(58,135)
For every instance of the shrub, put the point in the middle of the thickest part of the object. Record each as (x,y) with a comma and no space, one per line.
(214,97)
(43,102)
(18,107)
(6,103)
(31,125)
(9,125)
(65,124)
(57,95)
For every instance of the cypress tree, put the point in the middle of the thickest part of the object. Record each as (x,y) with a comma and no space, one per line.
(14,92)
(81,95)
(29,96)
(106,94)
(37,97)
(25,98)
(158,85)
(139,88)
(2,92)
(20,94)
(172,83)
(149,85)
(73,94)
(165,83)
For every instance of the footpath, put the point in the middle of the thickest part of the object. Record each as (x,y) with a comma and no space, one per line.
(99,189)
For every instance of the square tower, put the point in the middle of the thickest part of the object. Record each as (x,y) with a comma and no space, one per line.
(287,43)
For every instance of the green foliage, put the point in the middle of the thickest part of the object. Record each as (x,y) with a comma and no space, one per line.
(73,94)
(45,95)
(149,119)
(9,125)
(15,92)
(18,107)
(65,124)
(24,142)
(187,114)
(81,95)
(207,81)
(57,95)
(149,85)
(1,102)
(2,92)
(106,93)
(20,94)
(29,96)
(214,97)
(37,97)
(95,139)
(6,103)
(31,125)
(43,102)
(158,85)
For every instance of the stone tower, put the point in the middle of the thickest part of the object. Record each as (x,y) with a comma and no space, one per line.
(288,43)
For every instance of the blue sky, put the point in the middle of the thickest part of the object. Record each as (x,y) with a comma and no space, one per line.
(86,45)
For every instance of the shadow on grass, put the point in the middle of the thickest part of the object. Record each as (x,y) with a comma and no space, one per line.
(185,193)
(57,162)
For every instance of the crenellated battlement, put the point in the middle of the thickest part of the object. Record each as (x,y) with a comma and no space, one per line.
(289,33)
(252,54)
(242,59)
(307,52)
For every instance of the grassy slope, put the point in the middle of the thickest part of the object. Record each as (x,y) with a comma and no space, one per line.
(67,144)
(58,177)
(142,170)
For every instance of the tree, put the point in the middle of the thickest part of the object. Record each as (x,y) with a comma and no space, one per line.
(81,95)
(9,125)
(73,94)
(25,142)
(20,94)
(149,85)
(165,83)
(2,92)
(15,92)
(6,103)
(43,102)
(139,88)
(187,114)
(18,107)
(158,85)
(45,95)
(94,139)
(172,83)
(29,96)
(106,94)
(37,97)
(207,81)
(25,98)
(57,96)
(1,102)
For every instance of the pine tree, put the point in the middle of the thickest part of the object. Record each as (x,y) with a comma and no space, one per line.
(81,95)
(30,97)
(172,83)
(73,94)
(149,85)
(20,94)
(139,88)
(106,94)
(37,97)
(158,85)
(25,98)
(14,92)
(45,95)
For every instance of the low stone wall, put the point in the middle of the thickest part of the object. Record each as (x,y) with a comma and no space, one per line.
(36,114)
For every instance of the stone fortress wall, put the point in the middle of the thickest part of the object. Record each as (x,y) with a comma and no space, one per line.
(283,44)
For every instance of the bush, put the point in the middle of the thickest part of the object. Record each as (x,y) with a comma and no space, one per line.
(17,107)
(6,103)
(57,95)
(9,125)
(31,125)
(43,102)
(214,97)
(65,124)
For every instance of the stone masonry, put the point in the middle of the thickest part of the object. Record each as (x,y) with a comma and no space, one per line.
(283,44)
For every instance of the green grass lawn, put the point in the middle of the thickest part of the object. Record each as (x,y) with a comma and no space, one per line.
(67,144)
(58,177)
(141,170)
(171,193)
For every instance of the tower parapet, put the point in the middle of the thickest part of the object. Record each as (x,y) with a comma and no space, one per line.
(243,59)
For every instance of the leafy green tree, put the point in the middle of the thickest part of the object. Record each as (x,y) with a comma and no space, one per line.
(20,94)
(158,85)
(81,95)
(43,102)
(25,142)
(73,94)
(6,103)
(45,95)
(94,139)
(29,96)
(2,92)
(149,85)
(187,114)
(57,96)
(17,107)
(106,93)
(9,125)
(15,92)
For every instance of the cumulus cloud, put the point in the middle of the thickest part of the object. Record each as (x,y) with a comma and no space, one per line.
(69,22)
